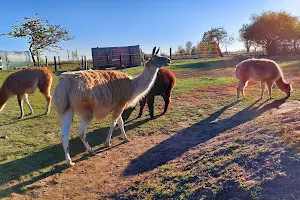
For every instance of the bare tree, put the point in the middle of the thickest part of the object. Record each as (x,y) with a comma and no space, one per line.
(40,33)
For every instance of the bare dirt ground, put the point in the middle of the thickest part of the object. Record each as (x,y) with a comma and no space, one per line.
(110,173)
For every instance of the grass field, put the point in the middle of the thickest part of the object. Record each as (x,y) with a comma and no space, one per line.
(213,164)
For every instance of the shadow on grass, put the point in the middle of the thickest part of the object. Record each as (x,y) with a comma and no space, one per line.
(37,161)
(16,120)
(196,134)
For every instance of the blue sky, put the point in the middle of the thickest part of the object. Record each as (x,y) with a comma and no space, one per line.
(163,23)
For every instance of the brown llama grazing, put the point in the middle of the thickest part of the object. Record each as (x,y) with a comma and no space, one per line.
(96,93)
(163,86)
(25,82)
(263,70)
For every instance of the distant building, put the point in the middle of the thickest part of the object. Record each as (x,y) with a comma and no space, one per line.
(117,57)
(14,59)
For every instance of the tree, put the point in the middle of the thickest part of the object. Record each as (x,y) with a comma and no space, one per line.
(75,55)
(188,46)
(274,31)
(217,35)
(41,35)
(194,50)
(245,37)
(181,51)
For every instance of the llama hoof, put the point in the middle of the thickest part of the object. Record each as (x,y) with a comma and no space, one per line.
(21,117)
(107,144)
(71,164)
(271,98)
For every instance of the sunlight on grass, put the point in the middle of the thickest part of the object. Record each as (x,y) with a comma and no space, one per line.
(33,148)
(188,84)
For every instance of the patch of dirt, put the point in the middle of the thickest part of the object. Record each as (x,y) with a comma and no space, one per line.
(96,177)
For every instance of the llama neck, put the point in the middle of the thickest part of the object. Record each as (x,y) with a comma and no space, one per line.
(281,84)
(143,83)
(4,96)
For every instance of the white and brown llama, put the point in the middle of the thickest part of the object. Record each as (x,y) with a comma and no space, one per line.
(25,82)
(263,70)
(96,93)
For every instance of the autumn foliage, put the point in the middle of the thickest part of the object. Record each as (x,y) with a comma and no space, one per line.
(276,32)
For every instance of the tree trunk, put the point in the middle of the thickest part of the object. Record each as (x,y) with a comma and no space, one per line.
(32,56)
(219,50)
(247,45)
(271,48)
(295,46)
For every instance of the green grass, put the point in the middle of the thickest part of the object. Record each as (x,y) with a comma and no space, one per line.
(33,149)
(188,84)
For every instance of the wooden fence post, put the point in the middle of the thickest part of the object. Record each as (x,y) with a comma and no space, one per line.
(46,59)
(59,62)
(120,60)
(171,53)
(82,62)
(107,59)
(55,64)
(85,63)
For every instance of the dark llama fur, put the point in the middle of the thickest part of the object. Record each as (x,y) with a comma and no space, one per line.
(163,86)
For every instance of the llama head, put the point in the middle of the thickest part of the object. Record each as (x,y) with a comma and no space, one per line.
(158,61)
(287,89)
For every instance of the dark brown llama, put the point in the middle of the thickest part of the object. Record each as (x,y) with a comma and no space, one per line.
(163,86)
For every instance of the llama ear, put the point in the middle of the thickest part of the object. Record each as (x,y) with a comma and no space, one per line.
(157,51)
(153,52)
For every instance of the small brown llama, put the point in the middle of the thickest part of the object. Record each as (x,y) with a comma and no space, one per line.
(263,70)
(96,93)
(25,82)
(163,86)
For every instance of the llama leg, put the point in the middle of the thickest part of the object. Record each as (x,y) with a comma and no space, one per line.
(84,122)
(121,125)
(142,106)
(262,86)
(270,85)
(27,102)
(48,99)
(239,88)
(20,101)
(115,115)
(167,100)
(150,103)
(66,120)
(245,85)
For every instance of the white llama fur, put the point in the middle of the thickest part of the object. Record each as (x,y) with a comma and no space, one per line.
(96,93)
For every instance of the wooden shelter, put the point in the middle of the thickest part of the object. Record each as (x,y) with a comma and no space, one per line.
(116,57)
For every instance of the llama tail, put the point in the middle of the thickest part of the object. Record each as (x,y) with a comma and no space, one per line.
(61,99)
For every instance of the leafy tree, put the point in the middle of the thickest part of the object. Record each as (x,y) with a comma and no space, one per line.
(75,55)
(194,50)
(217,36)
(273,31)
(41,35)
(188,46)
(245,36)
(181,51)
